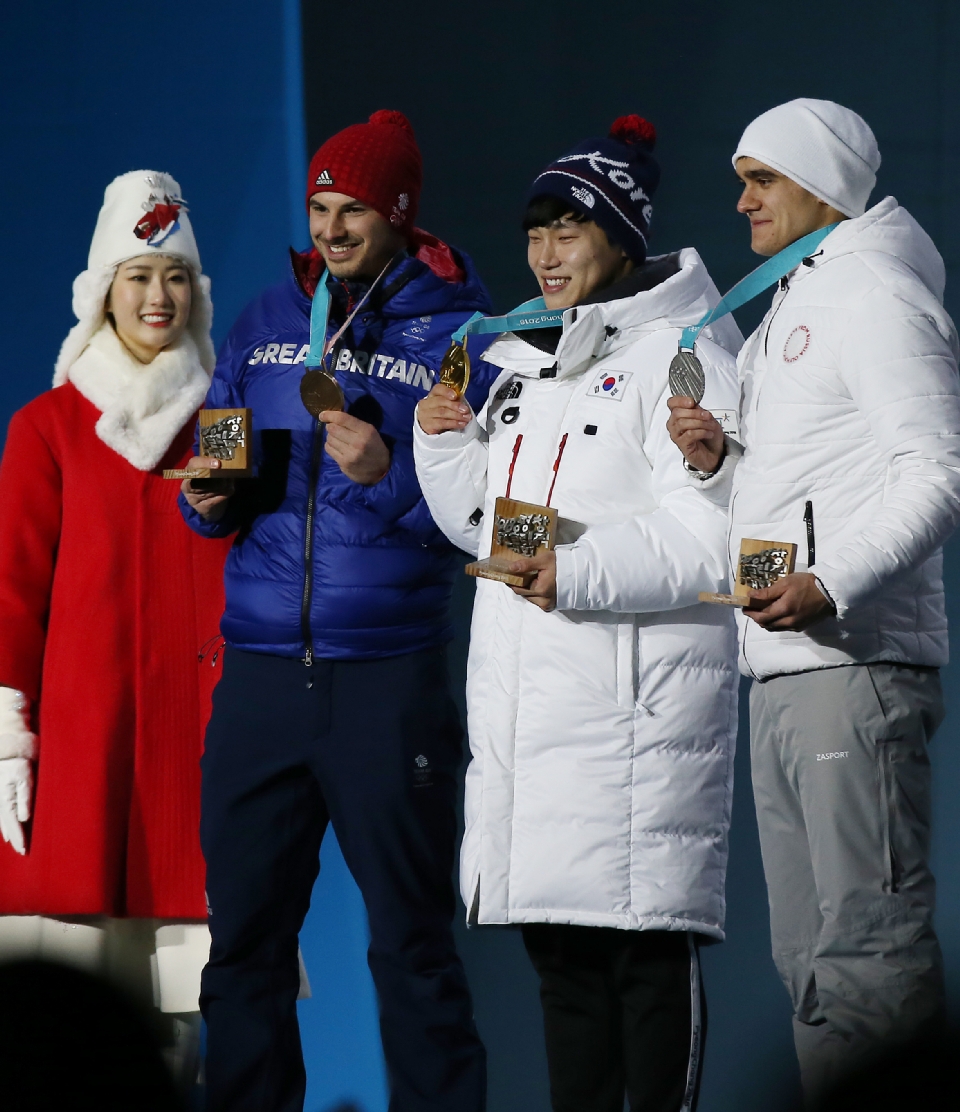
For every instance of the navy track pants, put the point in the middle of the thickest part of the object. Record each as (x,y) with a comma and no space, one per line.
(373,747)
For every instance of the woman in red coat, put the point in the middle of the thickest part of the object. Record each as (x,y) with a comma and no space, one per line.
(106,602)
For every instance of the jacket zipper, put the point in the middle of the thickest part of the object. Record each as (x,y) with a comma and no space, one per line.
(753,409)
(742,632)
(316,456)
(783,286)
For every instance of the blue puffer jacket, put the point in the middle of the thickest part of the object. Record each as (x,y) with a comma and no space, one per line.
(373,577)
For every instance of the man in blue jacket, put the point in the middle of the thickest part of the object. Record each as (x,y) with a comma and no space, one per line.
(334,704)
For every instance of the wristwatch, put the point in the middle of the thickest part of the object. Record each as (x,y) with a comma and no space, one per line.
(697,473)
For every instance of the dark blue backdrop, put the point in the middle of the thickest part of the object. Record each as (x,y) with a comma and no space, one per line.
(496,89)
(212,93)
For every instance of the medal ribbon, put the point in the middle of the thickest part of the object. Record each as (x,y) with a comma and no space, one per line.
(535,314)
(320,316)
(531,314)
(757,281)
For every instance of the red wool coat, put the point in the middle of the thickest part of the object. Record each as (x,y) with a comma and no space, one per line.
(106,598)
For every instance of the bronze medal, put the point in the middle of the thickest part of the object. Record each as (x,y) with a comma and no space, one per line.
(455,368)
(686,376)
(320,391)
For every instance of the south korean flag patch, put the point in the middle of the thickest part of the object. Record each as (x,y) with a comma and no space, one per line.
(610,385)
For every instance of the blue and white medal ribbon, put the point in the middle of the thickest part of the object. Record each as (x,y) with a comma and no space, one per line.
(531,314)
(455,368)
(319,390)
(686,371)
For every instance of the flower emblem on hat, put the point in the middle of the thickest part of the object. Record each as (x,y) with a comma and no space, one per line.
(399,209)
(160,218)
(797,343)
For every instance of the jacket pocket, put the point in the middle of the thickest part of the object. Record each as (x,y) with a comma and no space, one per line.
(890,867)
(905,811)
(903,772)
(888,817)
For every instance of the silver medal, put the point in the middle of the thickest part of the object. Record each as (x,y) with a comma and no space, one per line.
(686,376)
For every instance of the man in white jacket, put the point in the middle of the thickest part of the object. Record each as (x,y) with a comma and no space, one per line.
(602,718)
(850,434)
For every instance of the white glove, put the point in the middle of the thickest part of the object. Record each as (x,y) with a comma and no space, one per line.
(16,789)
(18,748)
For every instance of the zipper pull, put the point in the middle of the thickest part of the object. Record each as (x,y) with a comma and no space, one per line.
(811,542)
(513,462)
(556,466)
(308,657)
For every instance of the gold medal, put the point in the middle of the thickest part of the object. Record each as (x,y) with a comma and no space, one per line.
(455,368)
(320,391)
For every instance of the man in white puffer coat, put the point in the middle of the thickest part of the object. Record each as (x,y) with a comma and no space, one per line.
(602,719)
(850,426)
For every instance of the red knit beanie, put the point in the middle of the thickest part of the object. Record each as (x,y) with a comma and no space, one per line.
(377,162)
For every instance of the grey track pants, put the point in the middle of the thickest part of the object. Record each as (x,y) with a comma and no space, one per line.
(841,781)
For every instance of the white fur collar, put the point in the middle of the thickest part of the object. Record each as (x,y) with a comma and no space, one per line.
(143,405)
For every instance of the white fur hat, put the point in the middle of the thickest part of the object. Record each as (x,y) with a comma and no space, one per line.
(826,148)
(143,213)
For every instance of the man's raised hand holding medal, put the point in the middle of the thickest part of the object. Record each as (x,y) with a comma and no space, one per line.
(788,223)
(443,410)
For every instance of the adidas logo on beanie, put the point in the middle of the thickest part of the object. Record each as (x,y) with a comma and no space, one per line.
(377,162)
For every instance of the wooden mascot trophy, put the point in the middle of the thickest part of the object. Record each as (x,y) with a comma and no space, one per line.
(519,529)
(226,435)
(760,565)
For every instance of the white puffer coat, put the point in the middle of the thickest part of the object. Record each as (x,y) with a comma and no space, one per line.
(850,400)
(602,733)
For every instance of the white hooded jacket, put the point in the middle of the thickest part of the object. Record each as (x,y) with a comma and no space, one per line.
(602,733)
(850,400)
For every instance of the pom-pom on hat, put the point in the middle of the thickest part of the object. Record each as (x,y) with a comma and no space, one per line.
(377,162)
(610,181)
(826,148)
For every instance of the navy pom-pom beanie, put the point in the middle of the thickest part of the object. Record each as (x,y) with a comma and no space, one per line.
(610,181)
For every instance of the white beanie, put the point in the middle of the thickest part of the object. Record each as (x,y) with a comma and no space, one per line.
(143,213)
(826,148)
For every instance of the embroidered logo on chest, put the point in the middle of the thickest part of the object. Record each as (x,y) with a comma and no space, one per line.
(797,343)
(609,384)
(729,421)
(509,390)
